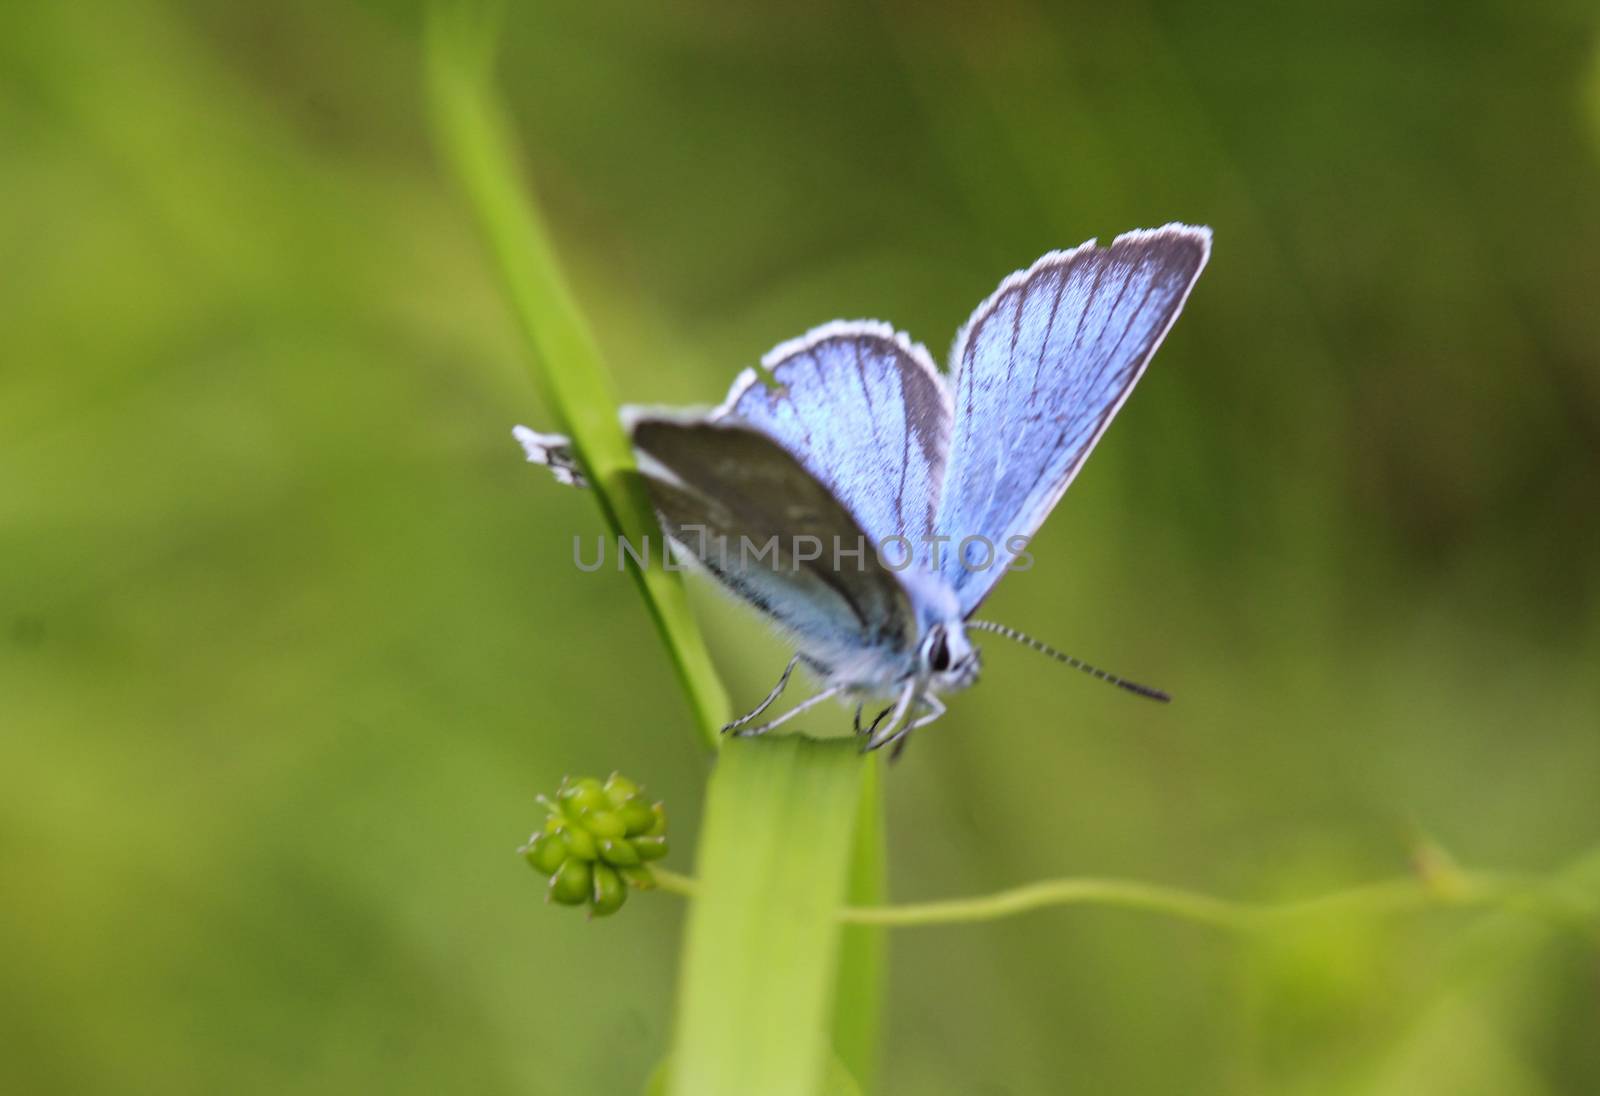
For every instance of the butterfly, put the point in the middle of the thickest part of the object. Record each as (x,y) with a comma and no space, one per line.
(866,505)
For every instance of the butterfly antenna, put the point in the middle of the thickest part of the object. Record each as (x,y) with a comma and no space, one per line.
(1075,663)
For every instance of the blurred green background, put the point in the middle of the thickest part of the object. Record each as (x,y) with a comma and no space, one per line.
(290,636)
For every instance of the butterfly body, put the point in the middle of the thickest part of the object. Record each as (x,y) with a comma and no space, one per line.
(883,501)
(939,657)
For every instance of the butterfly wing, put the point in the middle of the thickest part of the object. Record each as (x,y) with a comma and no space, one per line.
(724,492)
(865,411)
(1040,370)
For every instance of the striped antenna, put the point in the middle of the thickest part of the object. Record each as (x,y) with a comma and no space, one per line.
(1076,664)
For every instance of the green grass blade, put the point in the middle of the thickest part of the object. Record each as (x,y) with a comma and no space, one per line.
(760,961)
(858,1000)
(564,360)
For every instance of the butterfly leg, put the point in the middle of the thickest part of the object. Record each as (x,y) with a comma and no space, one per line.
(804,705)
(777,691)
(899,747)
(934,709)
(860,730)
(885,733)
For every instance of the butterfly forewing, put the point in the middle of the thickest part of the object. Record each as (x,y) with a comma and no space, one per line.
(1040,370)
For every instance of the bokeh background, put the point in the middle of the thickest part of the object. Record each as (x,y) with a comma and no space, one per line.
(290,636)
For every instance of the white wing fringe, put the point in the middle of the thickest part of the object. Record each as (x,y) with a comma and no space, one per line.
(554,451)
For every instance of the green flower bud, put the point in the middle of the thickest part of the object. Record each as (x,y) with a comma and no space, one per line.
(580,840)
(604,823)
(583,786)
(637,815)
(617,851)
(594,842)
(571,884)
(546,852)
(619,789)
(582,797)
(609,891)
(649,848)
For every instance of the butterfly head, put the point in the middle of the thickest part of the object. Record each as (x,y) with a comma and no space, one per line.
(947,658)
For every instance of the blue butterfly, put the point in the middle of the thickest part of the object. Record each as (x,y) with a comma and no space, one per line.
(866,507)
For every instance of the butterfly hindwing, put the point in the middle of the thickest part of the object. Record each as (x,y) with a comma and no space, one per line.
(865,411)
(1039,371)
(725,493)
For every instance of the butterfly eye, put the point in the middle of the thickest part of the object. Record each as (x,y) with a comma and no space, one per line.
(939,653)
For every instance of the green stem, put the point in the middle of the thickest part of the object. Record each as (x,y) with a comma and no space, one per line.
(763,938)
(1126,894)
(1460,889)
(564,359)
